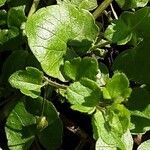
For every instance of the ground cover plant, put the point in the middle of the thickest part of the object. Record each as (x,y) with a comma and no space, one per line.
(75,74)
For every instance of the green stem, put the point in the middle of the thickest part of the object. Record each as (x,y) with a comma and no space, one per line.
(55,84)
(101,8)
(33,7)
(113,11)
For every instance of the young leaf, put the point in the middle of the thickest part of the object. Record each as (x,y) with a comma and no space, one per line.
(144,146)
(85,93)
(118,87)
(84,4)
(79,68)
(29,81)
(16,16)
(49,31)
(139,106)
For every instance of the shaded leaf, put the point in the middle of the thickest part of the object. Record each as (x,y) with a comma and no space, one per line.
(16,16)
(79,68)
(139,106)
(117,88)
(49,34)
(20,128)
(3,17)
(51,136)
(129,4)
(132,27)
(135,63)
(84,92)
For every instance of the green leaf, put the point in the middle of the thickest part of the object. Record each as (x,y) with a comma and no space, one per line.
(132,27)
(85,93)
(102,130)
(29,81)
(139,106)
(118,87)
(3,17)
(126,138)
(20,128)
(2,2)
(79,68)
(144,146)
(22,125)
(49,32)
(118,118)
(8,34)
(16,16)
(129,4)
(135,63)
(84,4)
(51,136)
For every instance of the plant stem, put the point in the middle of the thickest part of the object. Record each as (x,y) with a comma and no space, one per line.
(101,8)
(55,84)
(33,7)
(113,11)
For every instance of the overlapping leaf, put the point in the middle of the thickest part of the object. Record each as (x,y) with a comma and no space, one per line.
(84,93)
(21,127)
(126,138)
(79,68)
(102,130)
(133,26)
(49,31)
(134,62)
(117,88)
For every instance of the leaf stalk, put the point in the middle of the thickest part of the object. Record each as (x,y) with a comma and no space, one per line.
(55,84)
(33,7)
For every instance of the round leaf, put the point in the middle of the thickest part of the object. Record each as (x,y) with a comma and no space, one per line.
(49,31)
